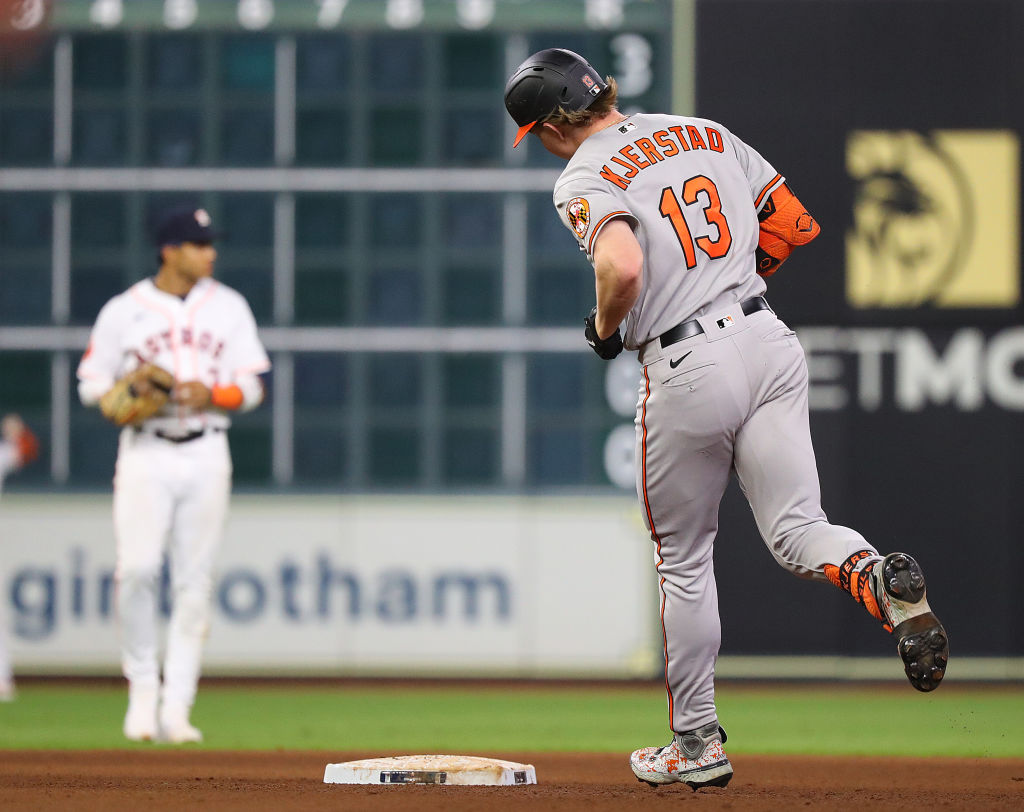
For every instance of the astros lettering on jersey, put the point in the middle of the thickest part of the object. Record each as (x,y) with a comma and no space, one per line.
(209,336)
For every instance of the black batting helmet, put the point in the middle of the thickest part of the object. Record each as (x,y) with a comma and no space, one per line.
(550,79)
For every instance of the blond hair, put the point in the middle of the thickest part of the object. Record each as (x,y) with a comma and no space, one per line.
(606,101)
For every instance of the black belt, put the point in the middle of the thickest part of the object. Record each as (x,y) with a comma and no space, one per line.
(689,329)
(179,438)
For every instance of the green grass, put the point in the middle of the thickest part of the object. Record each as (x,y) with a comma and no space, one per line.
(956,720)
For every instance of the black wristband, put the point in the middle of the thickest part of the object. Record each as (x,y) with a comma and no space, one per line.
(606,348)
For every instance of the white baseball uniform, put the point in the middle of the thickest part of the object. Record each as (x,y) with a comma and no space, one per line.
(10,459)
(18,446)
(173,475)
(730,396)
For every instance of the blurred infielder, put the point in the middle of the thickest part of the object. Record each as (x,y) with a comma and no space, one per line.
(169,359)
(681,221)
(18,447)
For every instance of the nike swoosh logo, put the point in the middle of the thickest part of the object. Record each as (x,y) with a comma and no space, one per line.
(678,361)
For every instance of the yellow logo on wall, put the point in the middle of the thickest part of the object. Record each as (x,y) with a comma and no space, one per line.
(936,219)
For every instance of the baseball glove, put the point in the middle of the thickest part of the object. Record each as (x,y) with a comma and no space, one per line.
(607,348)
(138,395)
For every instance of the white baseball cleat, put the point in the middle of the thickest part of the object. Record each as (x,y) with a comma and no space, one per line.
(695,758)
(181,732)
(7,692)
(175,728)
(140,720)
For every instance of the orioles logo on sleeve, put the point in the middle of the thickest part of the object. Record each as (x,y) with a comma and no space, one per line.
(578,212)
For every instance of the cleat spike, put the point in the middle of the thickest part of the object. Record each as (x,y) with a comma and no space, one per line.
(921,641)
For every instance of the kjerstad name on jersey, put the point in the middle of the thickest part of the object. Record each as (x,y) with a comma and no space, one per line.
(673,141)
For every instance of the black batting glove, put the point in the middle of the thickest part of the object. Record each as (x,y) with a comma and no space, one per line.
(607,348)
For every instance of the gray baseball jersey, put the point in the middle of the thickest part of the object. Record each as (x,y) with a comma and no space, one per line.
(729,397)
(692,191)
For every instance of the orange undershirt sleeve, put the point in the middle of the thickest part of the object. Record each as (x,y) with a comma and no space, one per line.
(784,223)
(226,397)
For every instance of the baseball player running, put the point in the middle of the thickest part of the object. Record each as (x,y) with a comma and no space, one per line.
(682,222)
(18,447)
(169,360)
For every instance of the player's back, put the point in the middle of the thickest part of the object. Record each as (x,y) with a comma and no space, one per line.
(691,189)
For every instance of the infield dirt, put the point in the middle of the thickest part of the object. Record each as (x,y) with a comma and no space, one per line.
(163,779)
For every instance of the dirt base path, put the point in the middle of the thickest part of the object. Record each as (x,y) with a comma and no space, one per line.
(164,779)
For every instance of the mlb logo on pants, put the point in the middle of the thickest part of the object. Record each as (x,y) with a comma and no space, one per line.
(725,322)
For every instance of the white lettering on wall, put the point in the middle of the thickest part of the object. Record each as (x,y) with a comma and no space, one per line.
(1005,354)
(106,13)
(474,14)
(404,13)
(924,376)
(179,14)
(330,12)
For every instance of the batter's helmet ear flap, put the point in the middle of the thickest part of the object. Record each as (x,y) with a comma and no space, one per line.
(550,79)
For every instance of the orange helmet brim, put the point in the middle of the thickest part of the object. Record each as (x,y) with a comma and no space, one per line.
(522,133)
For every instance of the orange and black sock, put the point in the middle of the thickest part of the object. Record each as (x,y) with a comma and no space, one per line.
(854,576)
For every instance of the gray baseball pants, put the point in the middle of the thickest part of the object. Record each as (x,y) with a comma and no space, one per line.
(735,400)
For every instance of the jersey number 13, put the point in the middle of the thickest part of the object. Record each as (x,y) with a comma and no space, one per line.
(671,208)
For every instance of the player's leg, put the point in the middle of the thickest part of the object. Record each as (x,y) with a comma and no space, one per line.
(774,458)
(9,459)
(684,455)
(142,510)
(195,539)
(777,471)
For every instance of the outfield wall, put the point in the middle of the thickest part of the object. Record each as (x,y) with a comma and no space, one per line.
(441,586)
(447,585)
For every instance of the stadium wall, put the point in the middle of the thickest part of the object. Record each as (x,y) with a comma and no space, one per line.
(449,586)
